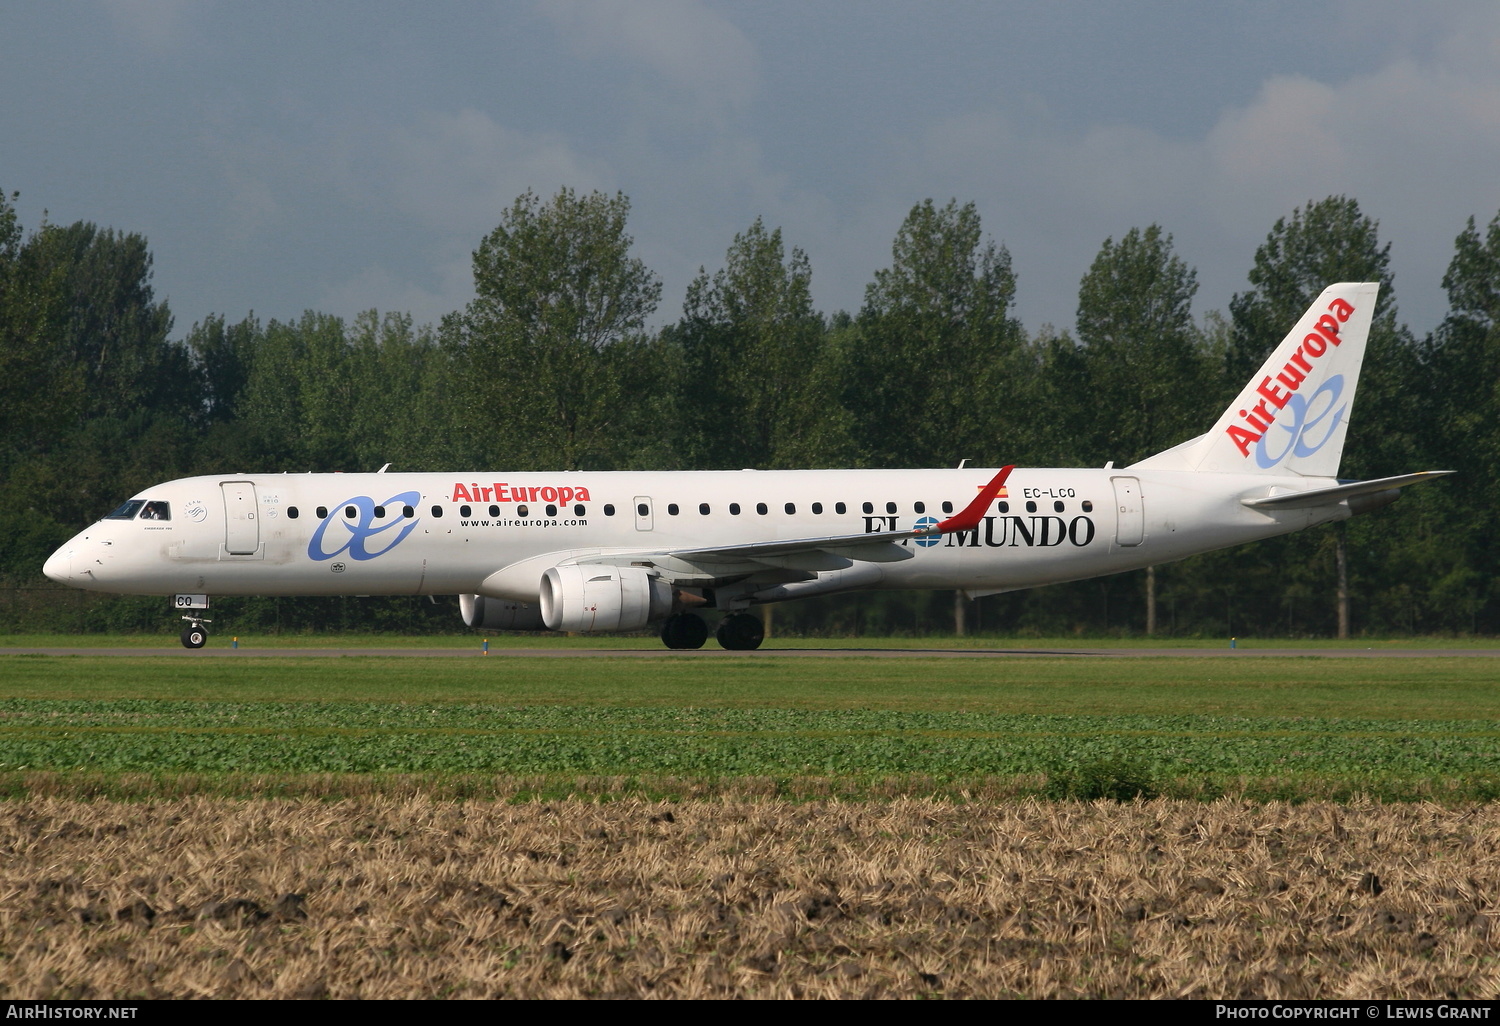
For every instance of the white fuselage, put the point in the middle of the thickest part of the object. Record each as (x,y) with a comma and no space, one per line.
(497,533)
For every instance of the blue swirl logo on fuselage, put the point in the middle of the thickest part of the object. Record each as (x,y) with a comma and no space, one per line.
(927,540)
(364,526)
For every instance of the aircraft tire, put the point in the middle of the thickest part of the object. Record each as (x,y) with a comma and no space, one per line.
(741,632)
(683,631)
(194,637)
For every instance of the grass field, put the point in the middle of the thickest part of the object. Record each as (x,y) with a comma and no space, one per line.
(748,826)
(1416,728)
(224,639)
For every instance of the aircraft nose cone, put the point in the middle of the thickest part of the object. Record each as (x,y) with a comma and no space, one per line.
(59,566)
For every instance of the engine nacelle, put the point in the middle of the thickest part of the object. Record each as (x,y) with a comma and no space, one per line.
(602,598)
(499,614)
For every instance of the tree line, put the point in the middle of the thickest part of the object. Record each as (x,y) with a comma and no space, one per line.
(556,365)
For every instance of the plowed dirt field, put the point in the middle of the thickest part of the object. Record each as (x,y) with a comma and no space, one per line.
(391,897)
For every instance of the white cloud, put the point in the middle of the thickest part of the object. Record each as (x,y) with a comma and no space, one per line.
(377,287)
(1416,140)
(686,44)
(458,172)
(157,26)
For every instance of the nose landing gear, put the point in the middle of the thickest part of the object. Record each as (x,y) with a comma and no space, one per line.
(195,635)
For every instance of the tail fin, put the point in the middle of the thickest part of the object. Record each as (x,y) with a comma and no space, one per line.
(1293,415)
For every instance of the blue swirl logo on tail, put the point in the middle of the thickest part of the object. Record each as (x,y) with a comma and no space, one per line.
(1306,414)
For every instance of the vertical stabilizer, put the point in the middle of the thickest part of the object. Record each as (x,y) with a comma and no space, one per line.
(1292,416)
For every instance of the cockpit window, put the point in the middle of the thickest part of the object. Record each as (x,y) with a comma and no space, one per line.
(127,510)
(156,511)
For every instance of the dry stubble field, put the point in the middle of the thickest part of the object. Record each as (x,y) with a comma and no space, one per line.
(386,897)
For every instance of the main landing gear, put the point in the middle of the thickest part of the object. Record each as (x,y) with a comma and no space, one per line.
(741,632)
(737,631)
(684,630)
(195,635)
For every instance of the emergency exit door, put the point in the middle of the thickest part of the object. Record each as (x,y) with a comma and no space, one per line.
(643,512)
(241,524)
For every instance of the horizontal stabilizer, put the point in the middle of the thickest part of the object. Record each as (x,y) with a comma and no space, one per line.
(1340,493)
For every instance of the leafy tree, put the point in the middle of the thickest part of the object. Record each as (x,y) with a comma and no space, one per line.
(756,370)
(1141,373)
(31,363)
(390,367)
(221,354)
(1460,392)
(94,399)
(1135,383)
(553,341)
(1326,242)
(936,373)
(112,333)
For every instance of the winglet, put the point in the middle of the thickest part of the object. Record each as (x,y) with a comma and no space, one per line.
(974,511)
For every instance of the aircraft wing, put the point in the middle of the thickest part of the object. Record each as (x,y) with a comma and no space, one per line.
(832,552)
(1338,493)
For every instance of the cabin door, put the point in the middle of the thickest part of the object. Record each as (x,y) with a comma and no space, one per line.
(1130,519)
(241,528)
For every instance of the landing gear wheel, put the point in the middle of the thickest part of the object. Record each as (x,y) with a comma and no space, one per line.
(194,636)
(684,630)
(741,632)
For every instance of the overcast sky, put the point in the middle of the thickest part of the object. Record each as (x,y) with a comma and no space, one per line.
(341,156)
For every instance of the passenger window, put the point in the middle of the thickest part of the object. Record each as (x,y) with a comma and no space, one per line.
(703,508)
(464,511)
(494,511)
(761,508)
(1005,507)
(609,509)
(406,511)
(1057,507)
(523,511)
(1088,507)
(791,509)
(868,507)
(1030,506)
(291,512)
(322,512)
(839,507)
(126,510)
(734,509)
(947,507)
(437,511)
(671,509)
(642,510)
(551,510)
(919,507)
(890,507)
(817,508)
(156,511)
(578,510)
(379,512)
(350,512)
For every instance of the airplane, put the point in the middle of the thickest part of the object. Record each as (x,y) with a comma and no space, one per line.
(617,551)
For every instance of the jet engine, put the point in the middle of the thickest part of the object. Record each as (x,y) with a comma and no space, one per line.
(498,614)
(602,598)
